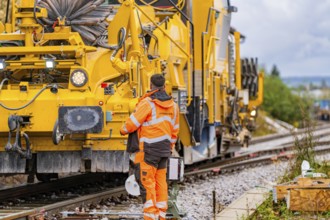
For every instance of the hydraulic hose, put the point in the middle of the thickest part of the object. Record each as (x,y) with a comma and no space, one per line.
(27,104)
(3,82)
(7,11)
(121,41)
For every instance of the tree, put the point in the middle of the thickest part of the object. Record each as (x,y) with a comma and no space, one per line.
(281,103)
(275,71)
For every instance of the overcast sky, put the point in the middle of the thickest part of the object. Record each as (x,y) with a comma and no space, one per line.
(294,35)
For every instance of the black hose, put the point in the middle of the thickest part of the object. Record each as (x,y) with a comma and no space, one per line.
(17,144)
(27,153)
(2,83)
(27,104)
(7,11)
(35,14)
(121,40)
(121,37)
(8,146)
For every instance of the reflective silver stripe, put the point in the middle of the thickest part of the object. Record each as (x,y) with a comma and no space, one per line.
(162,214)
(151,215)
(176,127)
(135,121)
(148,204)
(162,204)
(173,140)
(158,120)
(153,109)
(155,140)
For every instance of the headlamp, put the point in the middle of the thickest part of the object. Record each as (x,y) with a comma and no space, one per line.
(50,64)
(253,113)
(2,64)
(79,78)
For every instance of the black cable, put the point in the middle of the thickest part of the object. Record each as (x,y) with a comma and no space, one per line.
(35,16)
(121,40)
(7,11)
(27,104)
(142,34)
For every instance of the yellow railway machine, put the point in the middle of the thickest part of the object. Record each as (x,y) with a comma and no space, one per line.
(71,72)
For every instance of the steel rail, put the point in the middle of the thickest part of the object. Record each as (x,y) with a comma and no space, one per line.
(276,136)
(38,188)
(322,147)
(57,207)
(218,161)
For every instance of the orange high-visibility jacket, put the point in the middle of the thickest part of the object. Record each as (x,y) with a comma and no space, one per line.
(156,118)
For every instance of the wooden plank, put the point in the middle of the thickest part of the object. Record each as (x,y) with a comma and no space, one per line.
(315,200)
(280,191)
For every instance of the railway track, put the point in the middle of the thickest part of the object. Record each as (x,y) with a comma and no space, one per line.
(271,137)
(242,162)
(38,210)
(53,209)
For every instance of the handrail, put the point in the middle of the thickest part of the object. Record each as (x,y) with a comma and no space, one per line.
(203,56)
(208,59)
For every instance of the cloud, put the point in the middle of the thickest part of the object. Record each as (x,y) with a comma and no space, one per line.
(294,35)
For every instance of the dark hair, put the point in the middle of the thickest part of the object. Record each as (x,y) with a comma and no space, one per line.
(158,80)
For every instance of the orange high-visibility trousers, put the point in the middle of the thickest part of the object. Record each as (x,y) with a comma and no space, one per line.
(161,192)
(151,175)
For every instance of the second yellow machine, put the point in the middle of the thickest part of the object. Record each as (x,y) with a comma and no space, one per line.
(71,72)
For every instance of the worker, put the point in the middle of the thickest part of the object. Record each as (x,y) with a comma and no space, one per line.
(156,120)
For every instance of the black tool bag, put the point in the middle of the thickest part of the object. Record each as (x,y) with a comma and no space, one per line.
(133,142)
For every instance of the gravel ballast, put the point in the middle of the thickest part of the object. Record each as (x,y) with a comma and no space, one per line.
(196,199)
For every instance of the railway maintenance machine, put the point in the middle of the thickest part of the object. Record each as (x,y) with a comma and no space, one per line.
(72,71)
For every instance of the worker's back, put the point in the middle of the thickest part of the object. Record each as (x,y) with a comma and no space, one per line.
(155,132)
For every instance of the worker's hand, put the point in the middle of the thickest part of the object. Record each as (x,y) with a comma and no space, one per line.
(122,133)
(174,153)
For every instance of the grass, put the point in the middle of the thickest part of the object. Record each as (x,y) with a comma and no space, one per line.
(304,149)
(278,211)
(262,128)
